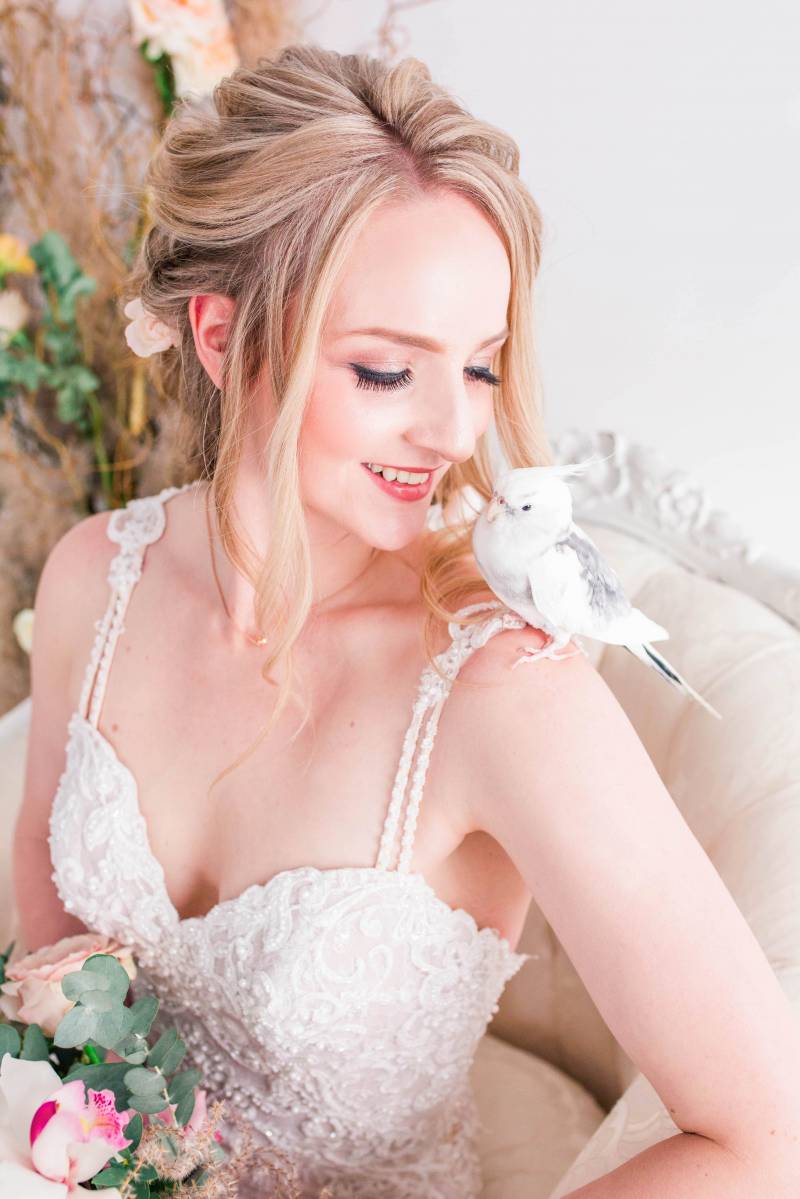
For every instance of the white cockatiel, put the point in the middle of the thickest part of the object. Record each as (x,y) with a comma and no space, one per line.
(540,564)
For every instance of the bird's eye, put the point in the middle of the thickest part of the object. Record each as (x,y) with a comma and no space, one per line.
(526,507)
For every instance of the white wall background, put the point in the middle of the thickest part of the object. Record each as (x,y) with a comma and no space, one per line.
(662,143)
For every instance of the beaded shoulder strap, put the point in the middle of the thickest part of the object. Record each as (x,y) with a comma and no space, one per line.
(133,527)
(431,696)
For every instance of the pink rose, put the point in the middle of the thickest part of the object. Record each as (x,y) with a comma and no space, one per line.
(32,991)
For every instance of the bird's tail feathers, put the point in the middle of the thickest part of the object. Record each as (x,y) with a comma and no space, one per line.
(634,626)
(652,658)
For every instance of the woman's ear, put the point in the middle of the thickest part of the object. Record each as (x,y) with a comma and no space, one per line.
(210,317)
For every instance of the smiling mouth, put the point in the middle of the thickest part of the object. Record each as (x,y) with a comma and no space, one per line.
(394,474)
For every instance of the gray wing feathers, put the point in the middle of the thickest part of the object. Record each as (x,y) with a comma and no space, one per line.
(604,590)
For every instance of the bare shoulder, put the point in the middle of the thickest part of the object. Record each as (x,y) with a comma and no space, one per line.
(539,727)
(74,573)
(71,594)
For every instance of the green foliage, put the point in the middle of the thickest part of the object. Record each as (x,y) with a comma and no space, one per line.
(60,367)
(163,75)
(182,1083)
(145,1081)
(98,989)
(111,1176)
(61,275)
(9,1040)
(3,961)
(101,971)
(34,1045)
(183,1112)
(168,1052)
(133,1133)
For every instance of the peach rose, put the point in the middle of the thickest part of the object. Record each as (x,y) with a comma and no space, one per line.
(32,991)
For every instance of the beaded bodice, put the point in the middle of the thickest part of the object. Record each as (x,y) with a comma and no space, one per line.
(337,1010)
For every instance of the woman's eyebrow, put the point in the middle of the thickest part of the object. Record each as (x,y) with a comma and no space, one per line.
(413,339)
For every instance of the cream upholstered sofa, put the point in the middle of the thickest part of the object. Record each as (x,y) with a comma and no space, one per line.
(560,1101)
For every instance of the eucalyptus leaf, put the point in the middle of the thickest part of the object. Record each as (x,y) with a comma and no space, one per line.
(142,1081)
(9,1040)
(78,983)
(143,1012)
(162,1047)
(133,1049)
(172,1058)
(112,1026)
(183,1112)
(111,1176)
(149,1104)
(34,1045)
(187,1080)
(109,968)
(100,1001)
(133,1133)
(77,1026)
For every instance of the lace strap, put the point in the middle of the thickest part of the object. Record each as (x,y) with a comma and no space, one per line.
(133,527)
(431,696)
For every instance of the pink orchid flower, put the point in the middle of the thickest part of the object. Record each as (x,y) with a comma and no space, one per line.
(54,1135)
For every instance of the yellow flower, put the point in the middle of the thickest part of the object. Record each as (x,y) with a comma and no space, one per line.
(14,257)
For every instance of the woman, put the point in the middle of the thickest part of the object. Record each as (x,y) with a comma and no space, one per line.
(344,260)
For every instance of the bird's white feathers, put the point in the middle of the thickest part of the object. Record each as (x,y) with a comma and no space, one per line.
(544,567)
(561,592)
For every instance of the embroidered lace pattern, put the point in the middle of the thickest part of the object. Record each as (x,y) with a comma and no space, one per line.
(338,1010)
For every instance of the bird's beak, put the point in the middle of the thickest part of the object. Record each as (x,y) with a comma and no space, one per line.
(493,510)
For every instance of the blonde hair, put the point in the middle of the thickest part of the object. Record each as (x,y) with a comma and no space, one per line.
(259,195)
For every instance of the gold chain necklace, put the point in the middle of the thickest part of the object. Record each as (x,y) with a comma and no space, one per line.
(253,641)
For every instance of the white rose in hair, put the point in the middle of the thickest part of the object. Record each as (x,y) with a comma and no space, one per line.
(146,334)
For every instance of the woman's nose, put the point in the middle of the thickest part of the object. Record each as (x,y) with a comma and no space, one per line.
(447,424)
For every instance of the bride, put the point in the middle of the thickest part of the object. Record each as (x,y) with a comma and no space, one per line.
(237,682)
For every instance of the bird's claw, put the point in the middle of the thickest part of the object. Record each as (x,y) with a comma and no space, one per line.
(551,650)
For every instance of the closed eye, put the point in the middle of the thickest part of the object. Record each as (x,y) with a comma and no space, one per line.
(383,381)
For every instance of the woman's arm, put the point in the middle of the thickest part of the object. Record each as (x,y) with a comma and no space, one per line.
(571,794)
(70,587)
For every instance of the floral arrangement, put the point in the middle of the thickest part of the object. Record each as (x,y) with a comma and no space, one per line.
(84,1095)
(88,1096)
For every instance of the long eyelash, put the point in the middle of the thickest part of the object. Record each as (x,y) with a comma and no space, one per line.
(484,375)
(378,381)
(382,382)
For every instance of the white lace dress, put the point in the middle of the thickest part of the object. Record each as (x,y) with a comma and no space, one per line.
(338,1010)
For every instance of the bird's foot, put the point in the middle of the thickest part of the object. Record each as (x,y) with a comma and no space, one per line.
(551,650)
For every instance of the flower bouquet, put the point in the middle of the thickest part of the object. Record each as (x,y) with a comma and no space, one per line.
(84,1096)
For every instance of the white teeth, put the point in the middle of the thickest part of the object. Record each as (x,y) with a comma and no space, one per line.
(402,476)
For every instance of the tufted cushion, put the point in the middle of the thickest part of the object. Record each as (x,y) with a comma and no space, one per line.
(536,1119)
